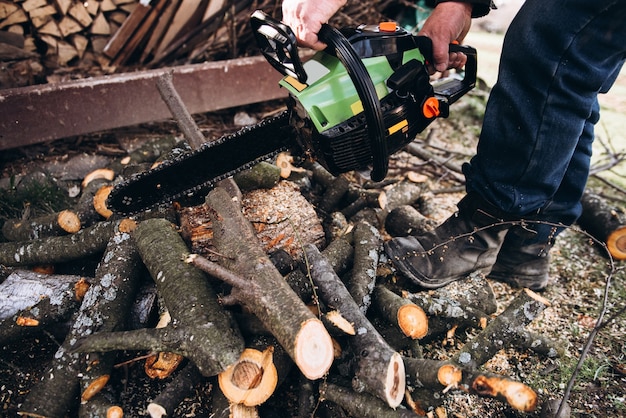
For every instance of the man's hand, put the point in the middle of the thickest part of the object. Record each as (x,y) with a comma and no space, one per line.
(305,18)
(449,22)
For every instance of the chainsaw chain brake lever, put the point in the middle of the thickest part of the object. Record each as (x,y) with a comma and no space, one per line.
(339,46)
(278,44)
(453,89)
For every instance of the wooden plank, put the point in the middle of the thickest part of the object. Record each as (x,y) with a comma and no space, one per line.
(123,34)
(189,11)
(36,114)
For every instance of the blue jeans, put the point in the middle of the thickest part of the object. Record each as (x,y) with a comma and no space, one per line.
(534,151)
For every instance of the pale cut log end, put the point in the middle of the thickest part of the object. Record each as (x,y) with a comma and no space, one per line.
(413,321)
(340,322)
(94,387)
(69,221)
(100,173)
(242,411)
(115,412)
(449,375)
(536,296)
(155,410)
(313,349)
(100,201)
(252,379)
(616,243)
(395,381)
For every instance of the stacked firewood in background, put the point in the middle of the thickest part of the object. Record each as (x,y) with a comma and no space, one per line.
(41,37)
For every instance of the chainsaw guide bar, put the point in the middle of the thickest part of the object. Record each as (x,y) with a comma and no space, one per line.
(198,171)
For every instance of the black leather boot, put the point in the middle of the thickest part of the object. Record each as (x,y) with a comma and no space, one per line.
(523,260)
(466,242)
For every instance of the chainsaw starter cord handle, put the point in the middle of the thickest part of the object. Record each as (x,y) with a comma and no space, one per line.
(342,49)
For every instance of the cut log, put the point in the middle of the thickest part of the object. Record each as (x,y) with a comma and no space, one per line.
(605,222)
(41,16)
(363,276)
(19,16)
(437,376)
(68,25)
(252,379)
(7,8)
(29,5)
(54,224)
(52,250)
(204,332)
(380,369)
(78,11)
(35,301)
(407,316)
(263,290)
(178,389)
(283,218)
(502,330)
(103,309)
(361,404)
(63,6)
(100,26)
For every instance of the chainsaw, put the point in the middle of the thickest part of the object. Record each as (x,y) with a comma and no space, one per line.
(350,107)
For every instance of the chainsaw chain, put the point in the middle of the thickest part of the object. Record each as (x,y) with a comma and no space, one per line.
(190,173)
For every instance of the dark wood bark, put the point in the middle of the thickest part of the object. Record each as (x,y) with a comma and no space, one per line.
(380,370)
(362,404)
(406,220)
(181,386)
(363,276)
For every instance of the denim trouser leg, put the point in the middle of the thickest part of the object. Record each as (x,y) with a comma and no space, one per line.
(535,147)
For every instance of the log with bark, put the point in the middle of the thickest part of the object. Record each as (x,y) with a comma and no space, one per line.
(259,287)
(103,309)
(605,222)
(379,368)
(201,329)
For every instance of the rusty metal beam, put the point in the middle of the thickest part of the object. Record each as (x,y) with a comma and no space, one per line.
(42,113)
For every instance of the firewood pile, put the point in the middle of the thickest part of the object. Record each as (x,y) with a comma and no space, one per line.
(270,295)
(49,40)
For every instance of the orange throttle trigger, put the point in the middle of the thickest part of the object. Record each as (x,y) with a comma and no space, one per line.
(430,108)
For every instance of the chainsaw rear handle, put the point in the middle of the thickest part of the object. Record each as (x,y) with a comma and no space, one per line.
(278,44)
(342,49)
(452,91)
